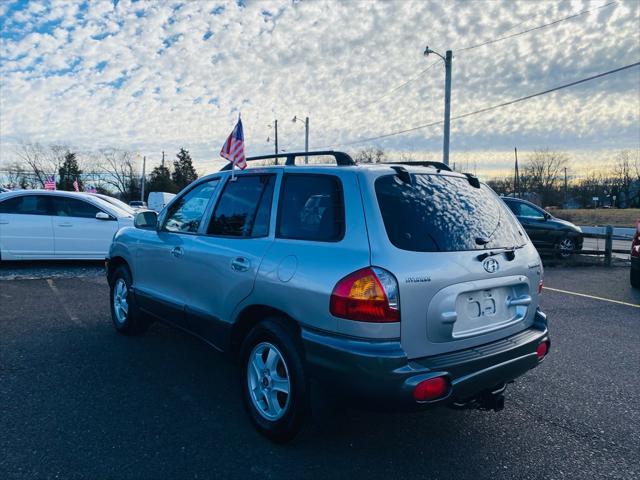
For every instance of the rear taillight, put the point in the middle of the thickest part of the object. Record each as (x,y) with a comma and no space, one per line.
(367,295)
(540,286)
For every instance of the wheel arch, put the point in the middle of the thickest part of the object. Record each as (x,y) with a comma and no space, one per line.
(114,263)
(249,317)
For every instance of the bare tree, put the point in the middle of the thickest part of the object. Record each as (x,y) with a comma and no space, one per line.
(370,155)
(33,155)
(120,172)
(19,176)
(544,170)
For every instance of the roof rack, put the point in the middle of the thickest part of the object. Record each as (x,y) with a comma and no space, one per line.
(342,158)
(437,165)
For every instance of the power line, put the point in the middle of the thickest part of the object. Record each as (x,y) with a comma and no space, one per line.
(487,42)
(486,109)
(532,29)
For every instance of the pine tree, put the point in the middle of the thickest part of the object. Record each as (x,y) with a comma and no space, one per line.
(183,171)
(69,172)
(160,181)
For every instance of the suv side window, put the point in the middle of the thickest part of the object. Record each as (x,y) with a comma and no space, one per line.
(530,212)
(244,208)
(186,212)
(26,205)
(71,207)
(311,207)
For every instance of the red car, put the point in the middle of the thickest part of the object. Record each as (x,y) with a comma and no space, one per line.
(635,258)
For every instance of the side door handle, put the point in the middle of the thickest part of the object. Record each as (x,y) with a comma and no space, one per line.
(4,223)
(66,224)
(240,264)
(177,252)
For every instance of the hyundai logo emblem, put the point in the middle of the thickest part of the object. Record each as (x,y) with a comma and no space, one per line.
(491,265)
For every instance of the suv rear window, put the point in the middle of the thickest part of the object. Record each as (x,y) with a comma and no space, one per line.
(442,213)
(311,208)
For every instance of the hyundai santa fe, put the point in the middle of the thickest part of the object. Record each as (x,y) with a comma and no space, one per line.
(400,286)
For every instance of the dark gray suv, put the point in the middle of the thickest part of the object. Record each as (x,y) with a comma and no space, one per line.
(403,286)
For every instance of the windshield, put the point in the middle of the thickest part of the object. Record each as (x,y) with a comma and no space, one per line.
(112,206)
(443,213)
(117,203)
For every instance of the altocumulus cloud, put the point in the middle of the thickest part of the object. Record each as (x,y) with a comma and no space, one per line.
(153,75)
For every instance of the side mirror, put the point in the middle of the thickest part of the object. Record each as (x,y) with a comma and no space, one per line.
(146,219)
(103,216)
(547,216)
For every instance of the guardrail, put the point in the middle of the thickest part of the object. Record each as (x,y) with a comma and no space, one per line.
(608,237)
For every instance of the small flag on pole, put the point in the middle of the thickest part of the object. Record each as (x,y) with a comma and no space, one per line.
(50,183)
(233,148)
(91,189)
(75,185)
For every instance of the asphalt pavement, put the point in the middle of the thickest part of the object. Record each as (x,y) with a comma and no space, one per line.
(78,400)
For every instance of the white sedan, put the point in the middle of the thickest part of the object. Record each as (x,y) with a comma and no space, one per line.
(41,224)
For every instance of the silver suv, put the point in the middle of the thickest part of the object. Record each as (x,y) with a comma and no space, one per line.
(402,286)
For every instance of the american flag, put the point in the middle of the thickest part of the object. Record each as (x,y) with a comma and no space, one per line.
(75,185)
(91,189)
(50,183)
(233,148)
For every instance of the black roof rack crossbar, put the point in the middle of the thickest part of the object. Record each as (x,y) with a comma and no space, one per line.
(342,158)
(438,165)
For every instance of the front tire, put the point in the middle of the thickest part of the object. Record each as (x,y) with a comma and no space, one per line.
(566,247)
(126,317)
(274,386)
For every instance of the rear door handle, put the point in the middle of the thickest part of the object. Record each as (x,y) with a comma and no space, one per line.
(67,224)
(240,264)
(177,252)
(4,223)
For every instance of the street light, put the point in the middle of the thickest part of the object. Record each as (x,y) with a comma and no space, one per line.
(447,99)
(306,135)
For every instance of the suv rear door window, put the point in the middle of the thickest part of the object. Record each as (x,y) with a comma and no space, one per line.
(244,208)
(443,213)
(311,207)
(187,211)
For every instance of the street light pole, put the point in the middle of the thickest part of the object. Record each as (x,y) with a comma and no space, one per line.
(447,100)
(447,106)
(306,139)
(306,135)
(142,180)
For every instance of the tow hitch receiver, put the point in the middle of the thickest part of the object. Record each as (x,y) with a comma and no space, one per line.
(486,401)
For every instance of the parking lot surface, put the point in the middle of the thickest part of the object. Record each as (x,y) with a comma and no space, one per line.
(77,400)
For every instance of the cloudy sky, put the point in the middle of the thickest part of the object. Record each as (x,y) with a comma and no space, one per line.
(156,75)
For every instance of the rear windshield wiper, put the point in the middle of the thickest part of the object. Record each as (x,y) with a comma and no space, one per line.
(509,251)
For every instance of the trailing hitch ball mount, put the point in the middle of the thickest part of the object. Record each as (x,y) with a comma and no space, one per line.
(486,401)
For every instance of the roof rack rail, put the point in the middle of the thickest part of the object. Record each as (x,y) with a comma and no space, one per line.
(342,158)
(437,165)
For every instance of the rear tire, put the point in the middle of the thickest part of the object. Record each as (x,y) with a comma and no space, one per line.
(634,278)
(274,385)
(127,318)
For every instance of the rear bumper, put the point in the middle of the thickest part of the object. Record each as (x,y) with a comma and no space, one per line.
(379,373)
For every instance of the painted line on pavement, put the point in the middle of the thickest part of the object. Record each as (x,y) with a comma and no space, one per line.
(71,316)
(593,297)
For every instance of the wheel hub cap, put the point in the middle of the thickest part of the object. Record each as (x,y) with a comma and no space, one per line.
(268,381)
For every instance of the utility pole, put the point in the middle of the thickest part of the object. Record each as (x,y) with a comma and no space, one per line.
(306,139)
(448,57)
(142,182)
(162,158)
(516,179)
(565,187)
